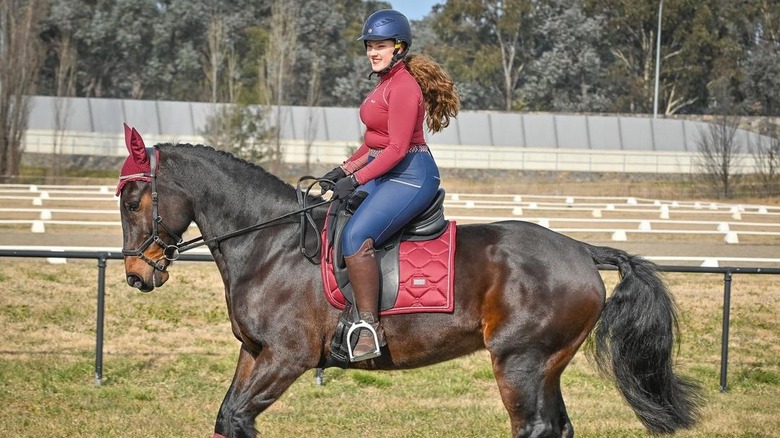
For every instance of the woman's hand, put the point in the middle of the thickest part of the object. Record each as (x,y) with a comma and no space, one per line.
(344,187)
(334,175)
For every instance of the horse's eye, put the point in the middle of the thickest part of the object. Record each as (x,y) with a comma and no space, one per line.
(133,206)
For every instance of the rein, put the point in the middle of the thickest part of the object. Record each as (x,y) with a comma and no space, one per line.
(173,251)
(305,213)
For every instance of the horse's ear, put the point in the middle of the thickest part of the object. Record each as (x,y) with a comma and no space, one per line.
(135,145)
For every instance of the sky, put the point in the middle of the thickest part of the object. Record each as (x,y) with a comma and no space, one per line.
(414,9)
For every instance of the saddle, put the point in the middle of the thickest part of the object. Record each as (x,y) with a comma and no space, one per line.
(428,225)
(416,266)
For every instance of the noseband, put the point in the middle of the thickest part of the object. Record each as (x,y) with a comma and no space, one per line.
(170,251)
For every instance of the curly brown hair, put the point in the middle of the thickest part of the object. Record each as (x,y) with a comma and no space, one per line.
(441,99)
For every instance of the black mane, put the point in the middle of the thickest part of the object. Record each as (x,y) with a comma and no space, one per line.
(240,169)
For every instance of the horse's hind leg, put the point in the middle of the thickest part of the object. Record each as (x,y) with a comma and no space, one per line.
(532,396)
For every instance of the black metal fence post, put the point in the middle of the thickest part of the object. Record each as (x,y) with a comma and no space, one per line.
(724,343)
(101,304)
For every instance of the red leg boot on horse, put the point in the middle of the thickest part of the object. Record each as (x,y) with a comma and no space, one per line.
(363,272)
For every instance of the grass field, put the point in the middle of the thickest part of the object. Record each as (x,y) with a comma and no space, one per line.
(169,358)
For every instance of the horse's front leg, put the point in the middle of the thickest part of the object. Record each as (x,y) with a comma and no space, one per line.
(258,382)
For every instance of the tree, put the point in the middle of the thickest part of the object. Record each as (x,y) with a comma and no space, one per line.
(21,55)
(65,75)
(567,74)
(215,54)
(241,130)
(277,65)
(766,156)
(698,46)
(761,66)
(582,55)
(116,38)
(329,35)
(312,120)
(703,49)
(629,27)
(720,151)
(487,43)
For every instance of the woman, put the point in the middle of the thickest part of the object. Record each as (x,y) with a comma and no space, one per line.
(393,166)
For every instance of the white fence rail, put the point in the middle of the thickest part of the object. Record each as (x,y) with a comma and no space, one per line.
(565,214)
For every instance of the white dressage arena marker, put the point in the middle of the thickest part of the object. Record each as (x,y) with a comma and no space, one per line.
(709,263)
(724,227)
(57,260)
(762,210)
(596,213)
(697,205)
(470,204)
(631,201)
(731,237)
(610,207)
(33,188)
(517,211)
(517,198)
(619,236)
(37,202)
(570,200)
(544,222)
(104,189)
(45,215)
(664,212)
(645,226)
(37,227)
(455,197)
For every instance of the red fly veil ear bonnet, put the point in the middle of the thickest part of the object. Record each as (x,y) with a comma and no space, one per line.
(137,166)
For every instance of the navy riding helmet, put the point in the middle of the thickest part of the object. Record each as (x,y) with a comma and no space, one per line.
(387,24)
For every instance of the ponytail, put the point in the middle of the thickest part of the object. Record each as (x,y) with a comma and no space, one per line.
(441,100)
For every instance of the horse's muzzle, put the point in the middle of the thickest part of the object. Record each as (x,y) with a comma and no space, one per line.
(147,284)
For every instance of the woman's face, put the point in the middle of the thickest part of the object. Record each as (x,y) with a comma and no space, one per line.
(380,53)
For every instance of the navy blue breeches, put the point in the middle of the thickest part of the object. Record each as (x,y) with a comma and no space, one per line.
(393,200)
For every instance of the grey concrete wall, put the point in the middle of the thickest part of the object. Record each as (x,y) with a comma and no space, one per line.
(476,139)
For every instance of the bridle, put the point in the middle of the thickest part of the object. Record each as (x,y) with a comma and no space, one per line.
(171,252)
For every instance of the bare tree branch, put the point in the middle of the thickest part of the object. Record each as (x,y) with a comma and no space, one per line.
(766,156)
(21,56)
(720,153)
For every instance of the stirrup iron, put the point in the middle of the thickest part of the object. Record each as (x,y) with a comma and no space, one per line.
(358,325)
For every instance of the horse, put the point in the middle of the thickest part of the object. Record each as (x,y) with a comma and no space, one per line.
(527,294)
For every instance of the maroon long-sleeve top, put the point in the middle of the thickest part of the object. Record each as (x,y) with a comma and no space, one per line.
(393,114)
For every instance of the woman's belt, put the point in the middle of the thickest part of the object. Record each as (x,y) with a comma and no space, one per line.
(411,150)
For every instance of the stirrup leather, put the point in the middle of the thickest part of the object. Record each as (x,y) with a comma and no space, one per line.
(358,325)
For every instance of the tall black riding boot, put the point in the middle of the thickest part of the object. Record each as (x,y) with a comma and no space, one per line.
(363,272)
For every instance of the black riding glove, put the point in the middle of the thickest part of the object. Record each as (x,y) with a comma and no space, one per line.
(344,187)
(334,175)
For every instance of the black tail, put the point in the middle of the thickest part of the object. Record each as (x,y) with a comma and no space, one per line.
(634,342)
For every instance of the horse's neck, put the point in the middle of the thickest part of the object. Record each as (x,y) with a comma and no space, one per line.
(216,215)
(226,195)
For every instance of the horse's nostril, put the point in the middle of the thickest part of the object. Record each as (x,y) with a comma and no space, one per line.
(134,280)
